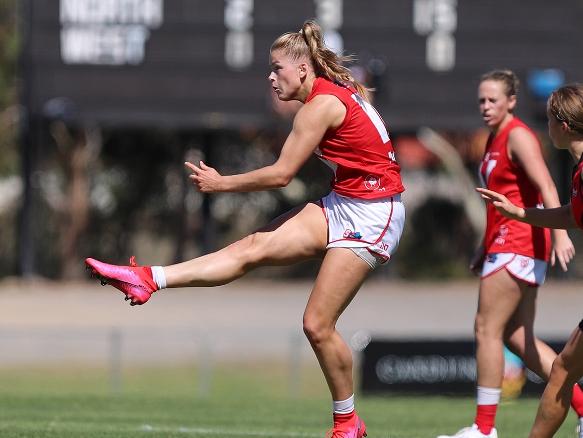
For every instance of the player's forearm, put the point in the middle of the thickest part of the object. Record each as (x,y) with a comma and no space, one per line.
(549,195)
(559,217)
(551,201)
(269,177)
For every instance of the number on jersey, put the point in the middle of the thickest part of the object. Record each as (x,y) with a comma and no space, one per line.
(373,116)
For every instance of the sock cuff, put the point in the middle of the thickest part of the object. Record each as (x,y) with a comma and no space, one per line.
(488,396)
(159,276)
(343,406)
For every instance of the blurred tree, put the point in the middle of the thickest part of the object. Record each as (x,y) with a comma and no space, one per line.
(9,46)
(438,242)
(76,150)
(10,184)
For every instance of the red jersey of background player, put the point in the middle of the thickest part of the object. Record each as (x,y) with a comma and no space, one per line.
(577,195)
(359,150)
(500,174)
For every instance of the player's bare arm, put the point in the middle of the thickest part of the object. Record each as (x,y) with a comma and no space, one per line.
(559,218)
(310,124)
(525,150)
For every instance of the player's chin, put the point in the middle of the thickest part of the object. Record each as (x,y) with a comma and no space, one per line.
(283,97)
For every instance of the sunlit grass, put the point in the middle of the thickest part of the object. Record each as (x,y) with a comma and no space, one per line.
(245,399)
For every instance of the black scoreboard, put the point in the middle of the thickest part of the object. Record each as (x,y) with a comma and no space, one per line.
(201,63)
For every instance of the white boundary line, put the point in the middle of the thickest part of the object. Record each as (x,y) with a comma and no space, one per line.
(226,432)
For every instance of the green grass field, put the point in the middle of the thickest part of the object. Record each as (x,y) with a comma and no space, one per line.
(242,401)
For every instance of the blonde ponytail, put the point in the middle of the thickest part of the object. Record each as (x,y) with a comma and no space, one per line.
(309,43)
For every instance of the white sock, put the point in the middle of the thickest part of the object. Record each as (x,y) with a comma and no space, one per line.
(344,406)
(159,276)
(488,396)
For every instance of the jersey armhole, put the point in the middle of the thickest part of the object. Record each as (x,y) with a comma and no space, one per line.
(345,115)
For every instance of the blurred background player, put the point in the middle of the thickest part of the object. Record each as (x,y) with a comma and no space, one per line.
(565,115)
(353,229)
(513,258)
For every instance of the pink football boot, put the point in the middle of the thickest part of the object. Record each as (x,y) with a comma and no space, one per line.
(347,426)
(134,281)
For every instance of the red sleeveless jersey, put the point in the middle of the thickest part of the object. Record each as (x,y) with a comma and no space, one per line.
(359,151)
(500,174)
(577,194)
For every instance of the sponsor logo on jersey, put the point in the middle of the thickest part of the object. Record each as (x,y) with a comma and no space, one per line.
(349,234)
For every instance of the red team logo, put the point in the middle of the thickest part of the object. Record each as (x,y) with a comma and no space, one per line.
(502,233)
(370,175)
(371,182)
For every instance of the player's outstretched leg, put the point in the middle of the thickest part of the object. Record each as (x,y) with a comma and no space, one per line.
(136,282)
(297,235)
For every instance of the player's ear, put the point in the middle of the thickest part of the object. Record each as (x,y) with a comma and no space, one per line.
(565,127)
(303,69)
(512,102)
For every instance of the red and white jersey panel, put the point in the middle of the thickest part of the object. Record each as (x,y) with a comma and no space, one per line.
(499,173)
(360,150)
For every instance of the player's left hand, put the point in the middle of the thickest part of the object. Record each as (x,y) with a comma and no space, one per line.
(563,250)
(502,204)
(206,178)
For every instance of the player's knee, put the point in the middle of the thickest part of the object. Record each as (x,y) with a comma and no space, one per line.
(252,249)
(316,329)
(569,366)
(559,370)
(479,327)
(483,331)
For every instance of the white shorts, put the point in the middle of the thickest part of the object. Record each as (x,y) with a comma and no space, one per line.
(527,269)
(371,227)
